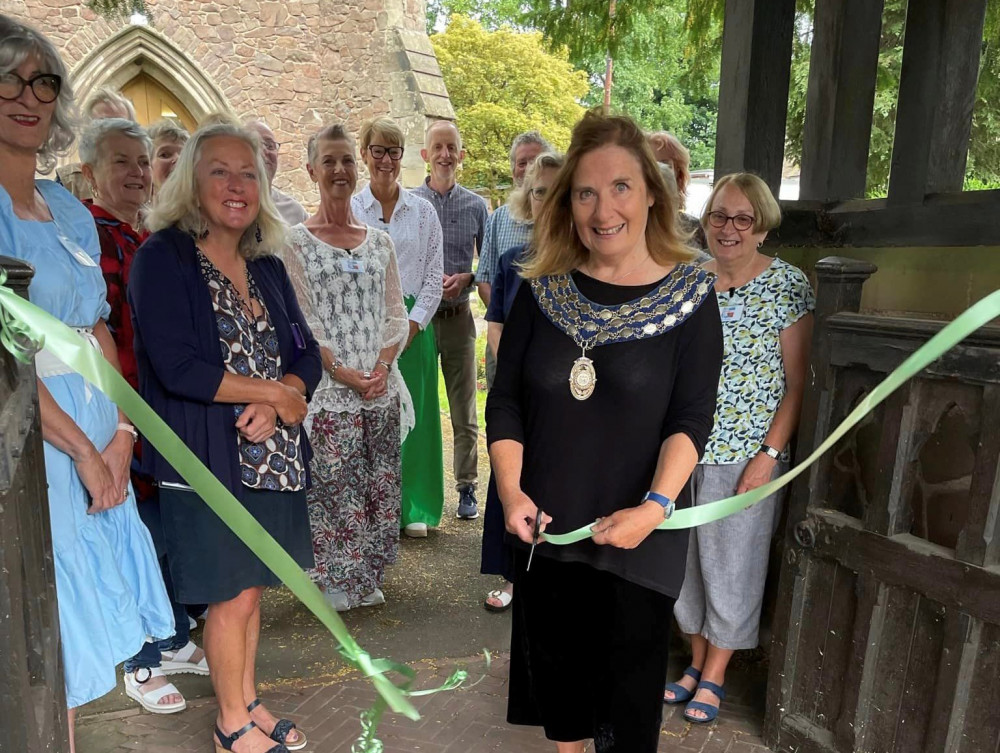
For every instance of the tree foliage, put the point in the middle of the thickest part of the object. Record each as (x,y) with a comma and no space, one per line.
(502,83)
(118,9)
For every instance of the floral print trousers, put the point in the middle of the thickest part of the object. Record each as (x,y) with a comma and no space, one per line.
(355,499)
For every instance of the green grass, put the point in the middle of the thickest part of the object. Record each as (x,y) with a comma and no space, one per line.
(478,310)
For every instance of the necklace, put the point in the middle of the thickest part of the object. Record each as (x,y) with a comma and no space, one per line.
(590,325)
(613,280)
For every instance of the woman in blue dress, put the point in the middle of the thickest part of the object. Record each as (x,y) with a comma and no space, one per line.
(110,590)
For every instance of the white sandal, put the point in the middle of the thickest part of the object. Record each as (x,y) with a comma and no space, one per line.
(150,699)
(500,595)
(179,662)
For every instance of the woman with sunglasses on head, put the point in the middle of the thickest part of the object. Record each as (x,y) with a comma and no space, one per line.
(767,327)
(413,225)
(111,593)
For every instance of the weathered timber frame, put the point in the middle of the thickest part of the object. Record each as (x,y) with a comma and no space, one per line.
(925,205)
(32,695)
(886,637)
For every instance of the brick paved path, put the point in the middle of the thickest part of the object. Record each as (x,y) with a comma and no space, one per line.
(465,721)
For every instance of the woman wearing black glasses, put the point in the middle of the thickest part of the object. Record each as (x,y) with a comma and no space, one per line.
(111,593)
(765,305)
(413,225)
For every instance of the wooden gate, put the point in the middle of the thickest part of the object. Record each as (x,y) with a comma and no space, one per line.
(32,696)
(887,630)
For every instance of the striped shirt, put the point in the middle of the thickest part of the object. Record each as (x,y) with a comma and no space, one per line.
(502,232)
(463,217)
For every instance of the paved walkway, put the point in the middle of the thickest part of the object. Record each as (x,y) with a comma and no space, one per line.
(434,609)
(462,721)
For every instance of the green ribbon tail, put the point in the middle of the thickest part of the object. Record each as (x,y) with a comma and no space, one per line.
(35,323)
(953,333)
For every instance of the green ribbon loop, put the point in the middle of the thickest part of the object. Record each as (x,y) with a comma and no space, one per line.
(24,328)
(953,333)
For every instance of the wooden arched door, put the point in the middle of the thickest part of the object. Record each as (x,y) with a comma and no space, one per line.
(153,102)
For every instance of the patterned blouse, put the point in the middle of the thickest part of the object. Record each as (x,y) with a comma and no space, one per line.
(250,349)
(752,384)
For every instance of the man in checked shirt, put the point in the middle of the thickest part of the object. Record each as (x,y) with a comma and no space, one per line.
(463,222)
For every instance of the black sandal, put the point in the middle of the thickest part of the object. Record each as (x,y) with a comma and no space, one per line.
(226,742)
(280,732)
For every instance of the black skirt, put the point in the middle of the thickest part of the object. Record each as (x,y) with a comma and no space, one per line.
(588,655)
(208,563)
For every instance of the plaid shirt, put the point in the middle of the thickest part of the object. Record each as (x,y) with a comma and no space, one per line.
(502,232)
(463,216)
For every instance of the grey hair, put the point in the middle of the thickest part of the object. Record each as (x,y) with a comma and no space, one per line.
(333,132)
(92,140)
(440,124)
(528,137)
(17,42)
(105,95)
(168,129)
(520,198)
(177,200)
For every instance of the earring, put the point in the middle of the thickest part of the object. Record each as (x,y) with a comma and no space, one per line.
(760,244)
(259,235)
(203,234)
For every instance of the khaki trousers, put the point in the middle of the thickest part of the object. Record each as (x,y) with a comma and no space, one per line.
(456,343)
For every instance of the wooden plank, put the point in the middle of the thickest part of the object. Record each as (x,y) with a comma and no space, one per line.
(753,88)
(845,729)
(980,728)
(887,510)
(977,542)
(909,562)
(885,667)
(958,77)
(808,667)
(800,735)
(918,93)
(837,648)
(951,219)
(840,99)
(784,642)
(948,704)
(925,648)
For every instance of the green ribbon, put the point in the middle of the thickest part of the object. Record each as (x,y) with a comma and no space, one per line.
(961,327)
(24,328)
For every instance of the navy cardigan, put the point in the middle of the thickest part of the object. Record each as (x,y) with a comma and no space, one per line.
(180,359)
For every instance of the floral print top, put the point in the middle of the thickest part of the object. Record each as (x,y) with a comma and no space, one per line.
(752,383)
(250,349)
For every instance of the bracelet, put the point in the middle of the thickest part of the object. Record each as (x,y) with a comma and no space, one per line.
(661,499)
(130,429)
(388,366)
(333,368)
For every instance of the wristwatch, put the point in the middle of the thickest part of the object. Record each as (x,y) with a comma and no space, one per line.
(662,500)
(770,451)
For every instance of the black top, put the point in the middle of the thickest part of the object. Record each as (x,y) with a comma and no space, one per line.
(587,459)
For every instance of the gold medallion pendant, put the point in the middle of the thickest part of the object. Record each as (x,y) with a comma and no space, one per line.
(582,378)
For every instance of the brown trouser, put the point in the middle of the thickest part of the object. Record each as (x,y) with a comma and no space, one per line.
(455,333)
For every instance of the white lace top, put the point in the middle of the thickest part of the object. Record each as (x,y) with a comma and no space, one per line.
(416,233)
(353,304)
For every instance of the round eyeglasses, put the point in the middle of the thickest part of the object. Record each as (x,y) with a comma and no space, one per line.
(45,86)
(740,221)
(539,193)
(378,152)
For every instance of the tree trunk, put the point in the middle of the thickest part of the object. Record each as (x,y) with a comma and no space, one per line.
(610,68)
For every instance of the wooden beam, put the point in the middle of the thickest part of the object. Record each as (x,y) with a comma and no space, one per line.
(841,98)
(962,219)
(753,88)
(959,76)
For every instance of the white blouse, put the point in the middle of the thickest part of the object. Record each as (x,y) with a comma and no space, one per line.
(416,233)
(352,302)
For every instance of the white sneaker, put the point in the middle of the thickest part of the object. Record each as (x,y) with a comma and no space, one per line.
(416,530)
(337,600)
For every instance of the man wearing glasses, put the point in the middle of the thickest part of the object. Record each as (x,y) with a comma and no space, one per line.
(290,210)
(463,217)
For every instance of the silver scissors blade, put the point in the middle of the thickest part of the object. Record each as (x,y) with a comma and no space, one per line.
(534,538)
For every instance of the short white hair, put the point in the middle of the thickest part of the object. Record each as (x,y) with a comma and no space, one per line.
(97,131)
(440,124)
(105,95)
(528,137)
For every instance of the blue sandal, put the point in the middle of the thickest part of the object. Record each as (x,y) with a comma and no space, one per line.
(711,712)
(280,732)
(226,742)
(682,694)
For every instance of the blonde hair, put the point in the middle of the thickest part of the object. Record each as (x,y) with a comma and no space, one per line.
(520,198)
(168,129)
(17,41)
(105,95)
(559,249)
(766,210)
(679,159)
(177,200)
(381,128)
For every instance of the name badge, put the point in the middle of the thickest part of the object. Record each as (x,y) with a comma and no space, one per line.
(731,313)
(353,266)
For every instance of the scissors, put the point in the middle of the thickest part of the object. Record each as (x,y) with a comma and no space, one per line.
(534,537)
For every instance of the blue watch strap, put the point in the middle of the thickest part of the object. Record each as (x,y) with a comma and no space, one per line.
(663,500)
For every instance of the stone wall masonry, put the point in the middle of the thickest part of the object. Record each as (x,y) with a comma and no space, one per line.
(298,64)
